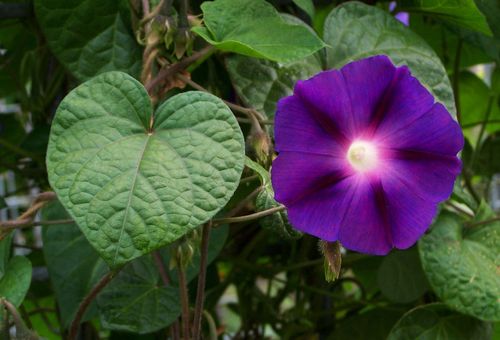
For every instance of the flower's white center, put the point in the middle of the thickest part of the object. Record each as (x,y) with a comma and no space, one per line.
(362,156)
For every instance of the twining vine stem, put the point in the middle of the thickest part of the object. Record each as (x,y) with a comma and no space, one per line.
(170,71)
(481,223)
(183,289)
(200,293)
(251,113)
(217,221)
(250,217)
(82,308)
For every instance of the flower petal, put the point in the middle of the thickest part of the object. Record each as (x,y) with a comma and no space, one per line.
(297,130)
(365,225)
(406,101)
(409,214)
(435,132)
(321,213)
(368,82)
(296,176)
(430,177)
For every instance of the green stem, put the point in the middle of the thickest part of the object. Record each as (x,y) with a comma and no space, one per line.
(456,79)
(481,223)
(183,289)
(482,131)
(200,293)
(82,308)
(17,150)
(250,217)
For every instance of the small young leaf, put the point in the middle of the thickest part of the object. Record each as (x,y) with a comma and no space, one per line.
(461,264)
(355,30)
(131,188)
(437,322)
(254,28)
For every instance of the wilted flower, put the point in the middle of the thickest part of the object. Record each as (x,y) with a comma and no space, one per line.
(365,156)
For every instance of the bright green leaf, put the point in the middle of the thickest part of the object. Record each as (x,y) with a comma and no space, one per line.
(261,83)
(74,266)
(90,36)
(254,28)
(401,278)
(132,189)
(462,264)
(437,322)
(17,279)
(136,300)
(355,31)
(459,12)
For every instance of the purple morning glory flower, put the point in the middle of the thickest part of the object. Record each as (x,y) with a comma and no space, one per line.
(365,156)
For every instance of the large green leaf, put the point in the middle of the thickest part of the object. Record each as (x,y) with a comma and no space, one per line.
(374,324)
(17,279)
(137,301)
(401,278)
(89,36)
(74,266)
(355,31)
(459,12)
(437,322)
(254,28)
(462,264)
(139,286)
(131,188)
(261,83)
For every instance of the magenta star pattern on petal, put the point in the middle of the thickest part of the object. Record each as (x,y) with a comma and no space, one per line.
(365,156)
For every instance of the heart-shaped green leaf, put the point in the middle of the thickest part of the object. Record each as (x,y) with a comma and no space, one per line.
(400,276)
(74,266)
(90,36)
(435,321)
(137,288)
(261,83)
(132,188)
(355,31)
(462,264)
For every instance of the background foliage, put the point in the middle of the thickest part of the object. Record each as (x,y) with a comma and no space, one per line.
(100,260)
